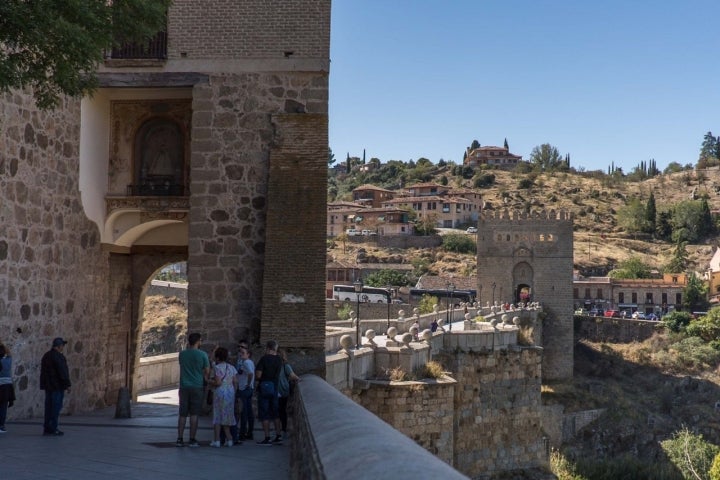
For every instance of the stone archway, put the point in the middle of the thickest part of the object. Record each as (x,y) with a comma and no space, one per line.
(522,280)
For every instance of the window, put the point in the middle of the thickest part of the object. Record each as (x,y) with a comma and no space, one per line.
(599,293)
(678,298)
(621,297)
(634,297)
(587,293)
(664,298)
(575,293)
(649,297)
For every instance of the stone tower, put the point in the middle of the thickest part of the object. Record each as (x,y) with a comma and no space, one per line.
(208,145)
(529,256)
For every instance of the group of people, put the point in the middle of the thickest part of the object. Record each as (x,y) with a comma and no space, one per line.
(232,390)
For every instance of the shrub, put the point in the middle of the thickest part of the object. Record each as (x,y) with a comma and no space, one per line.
(693,352)
(397,374)
(525,184)
(433,369)
(715,469)
(459,243)
(676,321)
(692,455)
(484,180)
(344,311)
(427,303)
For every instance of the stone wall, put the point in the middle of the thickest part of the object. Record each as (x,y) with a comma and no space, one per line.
(236,214)
(498,425)
(614,330)
(52,269)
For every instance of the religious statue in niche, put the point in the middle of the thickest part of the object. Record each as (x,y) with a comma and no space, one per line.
(160,149)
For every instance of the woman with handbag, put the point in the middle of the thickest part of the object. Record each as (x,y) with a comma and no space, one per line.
(224,383)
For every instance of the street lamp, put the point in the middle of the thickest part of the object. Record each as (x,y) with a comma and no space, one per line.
(358,290)
(493,285)
(451,289)
(389,300)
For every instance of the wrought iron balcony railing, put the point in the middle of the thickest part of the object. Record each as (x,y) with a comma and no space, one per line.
(155,48)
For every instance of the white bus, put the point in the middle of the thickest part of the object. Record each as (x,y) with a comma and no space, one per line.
(346,293)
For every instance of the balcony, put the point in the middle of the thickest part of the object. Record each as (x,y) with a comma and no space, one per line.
(154,49)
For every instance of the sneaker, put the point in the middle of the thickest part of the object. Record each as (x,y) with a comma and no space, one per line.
(265,443)
(179,442)
(56,433)
(2,430)
(193,443)
(215,444)
(277,440)
(249,436)
(229,443)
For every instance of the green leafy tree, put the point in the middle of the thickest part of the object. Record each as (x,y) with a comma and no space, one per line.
(686,220)
(673,167)
(475,144)
(650,215)
(546,157)
(331,157)
(663,228)
(695,294)
(383,278)
(633,267)
(708,150)
(706,327)
(692,455)
(426,224)
(631,217)
(715,469)
(54,47)
(676,321)
(679,261)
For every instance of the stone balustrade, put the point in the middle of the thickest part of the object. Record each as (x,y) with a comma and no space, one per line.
(159,371)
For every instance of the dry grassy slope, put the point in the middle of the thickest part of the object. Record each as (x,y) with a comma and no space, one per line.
(594,203)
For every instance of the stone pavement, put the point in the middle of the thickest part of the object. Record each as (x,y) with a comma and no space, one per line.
(97,446)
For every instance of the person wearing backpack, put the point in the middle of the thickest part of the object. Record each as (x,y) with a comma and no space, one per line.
(286,382)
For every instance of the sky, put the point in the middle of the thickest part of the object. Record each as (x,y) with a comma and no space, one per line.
(606,82)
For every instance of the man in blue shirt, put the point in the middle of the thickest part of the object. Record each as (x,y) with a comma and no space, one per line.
(194,372)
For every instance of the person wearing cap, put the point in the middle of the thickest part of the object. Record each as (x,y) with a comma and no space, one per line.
(55,380)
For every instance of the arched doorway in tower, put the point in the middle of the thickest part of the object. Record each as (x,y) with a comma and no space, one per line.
(523,281)
(162,330)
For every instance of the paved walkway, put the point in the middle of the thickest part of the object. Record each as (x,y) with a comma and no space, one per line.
(97,446)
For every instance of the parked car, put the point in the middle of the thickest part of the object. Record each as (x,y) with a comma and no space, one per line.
(652,316)
(351,232)
(613,314)
(639,316)
(596,312)
(471,230)
(581,311)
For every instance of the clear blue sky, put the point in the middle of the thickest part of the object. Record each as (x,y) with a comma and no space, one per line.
(611,81)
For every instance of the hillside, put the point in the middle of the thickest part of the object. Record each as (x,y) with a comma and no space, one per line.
(594,200)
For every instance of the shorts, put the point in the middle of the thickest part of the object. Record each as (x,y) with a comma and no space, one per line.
(191,400)
(268,407)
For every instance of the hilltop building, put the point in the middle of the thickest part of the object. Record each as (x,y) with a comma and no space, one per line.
(492,156)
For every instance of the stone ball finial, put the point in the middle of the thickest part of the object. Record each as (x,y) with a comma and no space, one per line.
(436,308)
(494,322)
(346,341)
(414,331)
(467,317)
(401,315)
(407,338)
(516,320)
(426,335)
(505,318)
(392,332)
(370,334)
(416,312)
